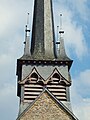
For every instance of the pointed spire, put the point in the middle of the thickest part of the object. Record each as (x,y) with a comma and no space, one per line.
(42,44)
(27,38)
(61,54)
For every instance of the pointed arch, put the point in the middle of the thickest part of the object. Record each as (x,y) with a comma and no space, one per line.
(57,78)
(33,76)
(32,87)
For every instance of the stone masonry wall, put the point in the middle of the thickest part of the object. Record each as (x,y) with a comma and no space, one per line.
(45,108)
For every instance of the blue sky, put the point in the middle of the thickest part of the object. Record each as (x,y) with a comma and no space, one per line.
(76,24)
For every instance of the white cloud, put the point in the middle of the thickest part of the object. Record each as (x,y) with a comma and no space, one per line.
(11,47)
(74,36)
(84,77)
(8,102)
(11,14)
(80,95)
(80,6)
(82,110)
(11,21)
(82,83)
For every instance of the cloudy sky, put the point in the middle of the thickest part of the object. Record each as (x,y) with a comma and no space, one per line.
(76,24)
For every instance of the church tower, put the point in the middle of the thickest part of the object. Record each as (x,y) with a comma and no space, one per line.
(43,77)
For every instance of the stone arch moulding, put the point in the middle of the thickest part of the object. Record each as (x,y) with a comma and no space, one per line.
(58,78)
(34,75)
(54,77)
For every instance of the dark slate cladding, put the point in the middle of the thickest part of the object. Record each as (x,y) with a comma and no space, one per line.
(37,43)
(43,36)
(42,41)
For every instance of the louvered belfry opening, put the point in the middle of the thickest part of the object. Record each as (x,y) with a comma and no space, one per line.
(35,84)
(58,90)
(31,88)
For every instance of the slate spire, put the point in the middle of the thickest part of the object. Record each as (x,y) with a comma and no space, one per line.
(42,44)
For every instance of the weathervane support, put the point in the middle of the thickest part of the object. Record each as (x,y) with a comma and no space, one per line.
(27,38)
(61,31)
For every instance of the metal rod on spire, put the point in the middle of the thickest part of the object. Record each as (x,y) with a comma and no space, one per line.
(60,21)
(27,26)
(57,32)
(27,38)
(28,19)
(57,42)
(61,31)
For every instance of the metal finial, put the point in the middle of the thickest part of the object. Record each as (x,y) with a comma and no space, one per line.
(57,42)
(57,34)
(27,25)
(61,31)
(28,19)
(60,21)
(27,37)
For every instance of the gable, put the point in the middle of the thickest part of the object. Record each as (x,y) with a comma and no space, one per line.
(45,108)
(34,73)
(55,74)
(34,83)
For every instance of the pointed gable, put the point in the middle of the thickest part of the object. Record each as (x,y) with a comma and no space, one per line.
(34,83)
(32,86)
(33,77)
(57,78)
(46,107)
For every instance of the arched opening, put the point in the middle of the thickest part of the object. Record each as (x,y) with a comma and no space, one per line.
(56,78)
(34,77)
